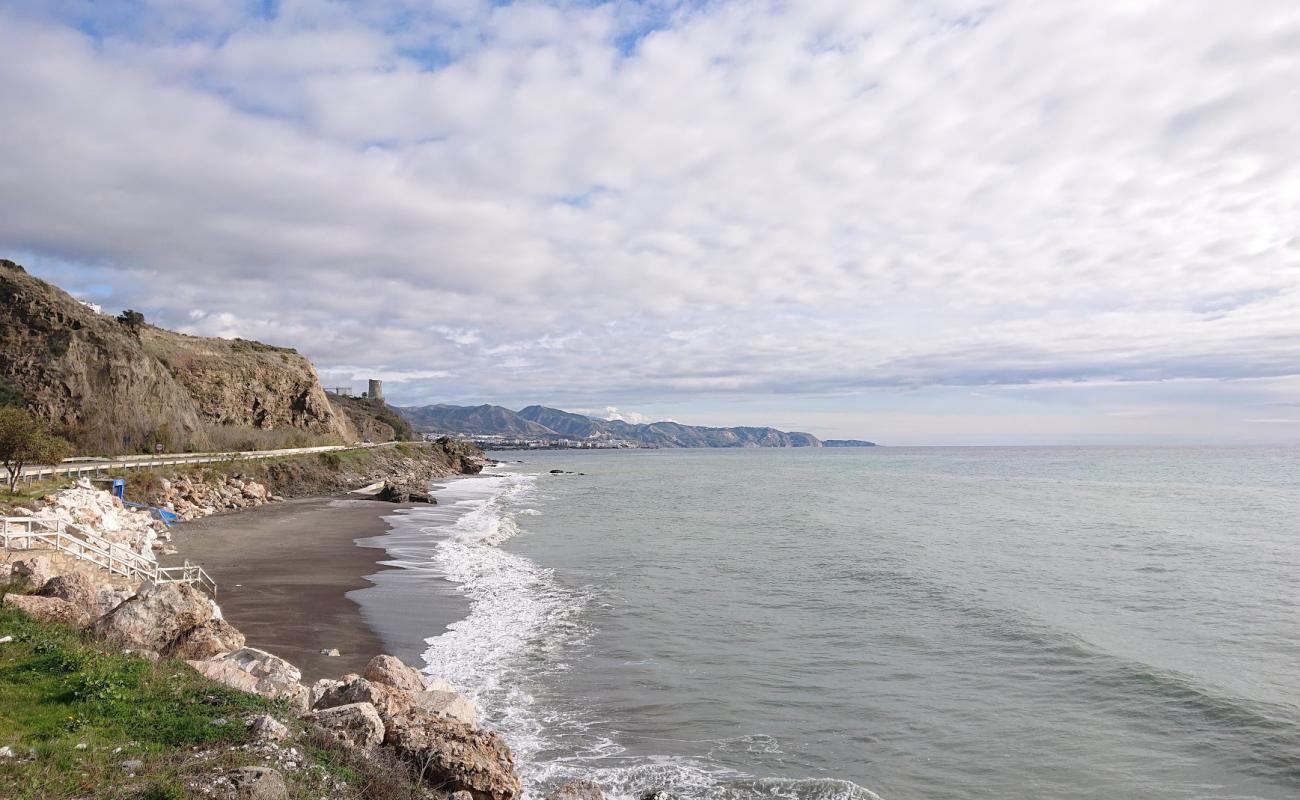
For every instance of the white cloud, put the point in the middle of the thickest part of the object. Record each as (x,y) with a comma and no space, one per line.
(751,199)
(613,413)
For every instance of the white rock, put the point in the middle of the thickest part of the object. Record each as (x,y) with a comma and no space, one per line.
(265,726)
(452,705)
(321,688)
(390,671)
(258,672)
(357,724)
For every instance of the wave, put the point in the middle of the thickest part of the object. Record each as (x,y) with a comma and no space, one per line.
(524,625)
(520,617)
(1263,737)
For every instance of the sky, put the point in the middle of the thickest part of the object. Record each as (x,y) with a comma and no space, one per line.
(912,221)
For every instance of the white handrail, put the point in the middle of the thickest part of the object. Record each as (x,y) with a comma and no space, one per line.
(99,551)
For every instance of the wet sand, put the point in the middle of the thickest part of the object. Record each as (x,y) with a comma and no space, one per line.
(292,577)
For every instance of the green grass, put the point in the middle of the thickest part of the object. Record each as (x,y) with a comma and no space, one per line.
(337,459)
(59,689)
(28,492)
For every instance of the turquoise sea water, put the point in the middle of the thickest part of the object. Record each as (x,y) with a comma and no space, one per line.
(893,622)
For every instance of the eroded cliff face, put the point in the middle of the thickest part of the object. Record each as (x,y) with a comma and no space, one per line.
(243,384)
(110,388)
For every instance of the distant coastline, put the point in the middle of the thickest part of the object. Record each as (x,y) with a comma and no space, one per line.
(541,428)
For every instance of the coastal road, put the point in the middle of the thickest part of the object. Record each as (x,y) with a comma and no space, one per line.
(96,467)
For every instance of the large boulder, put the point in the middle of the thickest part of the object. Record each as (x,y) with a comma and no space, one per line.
(390,671)
(386,700)
(317,691)
(452,705)
(48,609)
(212,638)
(577,789)
(267,728)
(454,756)
(226,673)
(258,783)
(405,491)
(33,572)
(357,724)
(257,672)
(76,588)
(110,597)
(391,701)
(155,617)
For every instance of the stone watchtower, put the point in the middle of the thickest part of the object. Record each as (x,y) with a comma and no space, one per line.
(376,391)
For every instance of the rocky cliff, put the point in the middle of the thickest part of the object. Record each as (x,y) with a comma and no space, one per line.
(112,387)
(374,419)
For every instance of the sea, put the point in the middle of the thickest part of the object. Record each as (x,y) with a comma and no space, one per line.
(898,623)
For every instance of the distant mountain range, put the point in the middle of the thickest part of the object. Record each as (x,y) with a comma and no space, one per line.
(540,422)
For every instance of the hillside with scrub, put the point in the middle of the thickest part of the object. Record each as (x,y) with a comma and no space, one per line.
(120,385)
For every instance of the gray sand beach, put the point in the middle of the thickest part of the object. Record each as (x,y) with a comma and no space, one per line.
(307,575)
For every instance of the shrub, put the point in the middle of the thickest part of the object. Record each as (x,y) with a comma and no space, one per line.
(25,440)
(10,395)
(133,320)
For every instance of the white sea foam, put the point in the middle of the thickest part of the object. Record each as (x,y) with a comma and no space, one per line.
(524,625)
(521,620)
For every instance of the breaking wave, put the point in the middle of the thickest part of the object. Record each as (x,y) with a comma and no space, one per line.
(524,625)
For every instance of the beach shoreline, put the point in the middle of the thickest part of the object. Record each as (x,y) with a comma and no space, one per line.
(310,574)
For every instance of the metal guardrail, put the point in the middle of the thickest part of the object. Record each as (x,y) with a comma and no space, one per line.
(189,573)
(24,533)
(100,468)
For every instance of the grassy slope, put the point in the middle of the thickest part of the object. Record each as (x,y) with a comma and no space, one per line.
(59,690)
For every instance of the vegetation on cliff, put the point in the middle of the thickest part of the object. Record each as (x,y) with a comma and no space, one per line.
(24,440)
(374,419)
(112,385)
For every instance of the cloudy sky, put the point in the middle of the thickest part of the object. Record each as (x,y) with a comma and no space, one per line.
(917,221)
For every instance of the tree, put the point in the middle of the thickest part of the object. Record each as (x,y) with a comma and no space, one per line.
(9,394)
(131,319)
(25,440)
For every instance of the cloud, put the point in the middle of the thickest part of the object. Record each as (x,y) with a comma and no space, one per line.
(628,203)
(612,413)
